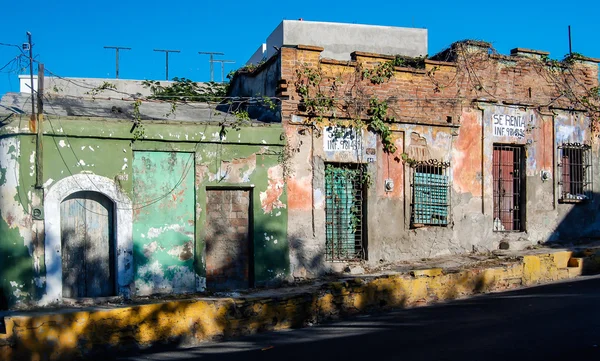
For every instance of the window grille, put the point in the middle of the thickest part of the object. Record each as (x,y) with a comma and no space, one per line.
(344,212)
(508,177)
(575,172)
(431,193)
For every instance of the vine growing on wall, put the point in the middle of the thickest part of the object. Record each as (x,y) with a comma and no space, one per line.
(358,110)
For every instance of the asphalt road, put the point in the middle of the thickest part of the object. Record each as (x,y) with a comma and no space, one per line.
(552,322)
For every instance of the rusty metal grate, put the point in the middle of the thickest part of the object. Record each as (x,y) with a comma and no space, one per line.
(430,193)
(344,212)
(508,177)
(575,172)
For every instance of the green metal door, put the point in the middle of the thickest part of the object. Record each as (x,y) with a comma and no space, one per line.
(344,212)
(164,222)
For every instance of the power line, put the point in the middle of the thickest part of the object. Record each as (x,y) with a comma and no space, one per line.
(185,172)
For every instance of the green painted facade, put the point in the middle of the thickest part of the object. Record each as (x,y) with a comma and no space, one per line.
(247,158)
(163,222)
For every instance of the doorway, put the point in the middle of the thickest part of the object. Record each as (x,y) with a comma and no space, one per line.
(87,243)
(509,188)
(345,212)
(229,246)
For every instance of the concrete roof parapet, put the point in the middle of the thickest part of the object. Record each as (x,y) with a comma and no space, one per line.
(310,47)
(529,53)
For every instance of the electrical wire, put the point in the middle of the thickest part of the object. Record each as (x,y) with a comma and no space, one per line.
(187,168)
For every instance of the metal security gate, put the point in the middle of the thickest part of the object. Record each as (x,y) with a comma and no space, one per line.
(344,212)
(86,221)
(508,176)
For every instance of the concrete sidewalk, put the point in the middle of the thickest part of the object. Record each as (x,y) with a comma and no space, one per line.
(71,333)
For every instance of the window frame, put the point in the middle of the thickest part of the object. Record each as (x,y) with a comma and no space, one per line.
(583,176)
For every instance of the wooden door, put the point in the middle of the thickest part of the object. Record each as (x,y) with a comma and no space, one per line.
(508,185)
(86,221)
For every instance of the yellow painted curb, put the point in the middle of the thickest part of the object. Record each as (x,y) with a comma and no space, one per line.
(68,335)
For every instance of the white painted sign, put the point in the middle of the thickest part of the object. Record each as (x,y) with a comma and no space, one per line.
(348,144)
(509,125)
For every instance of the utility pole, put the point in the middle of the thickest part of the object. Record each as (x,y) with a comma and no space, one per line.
(32,119)
(211,60)
(117,48)
(39,141)
(570,48)
(167,59)
(223,68)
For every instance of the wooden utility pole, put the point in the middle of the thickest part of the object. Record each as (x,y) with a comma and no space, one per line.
(39,144)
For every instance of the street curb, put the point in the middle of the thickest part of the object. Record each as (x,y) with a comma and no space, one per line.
(75,334)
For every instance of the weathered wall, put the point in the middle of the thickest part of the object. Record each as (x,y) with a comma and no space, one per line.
(164,220)
(88,151)
(443,111)
(228,249)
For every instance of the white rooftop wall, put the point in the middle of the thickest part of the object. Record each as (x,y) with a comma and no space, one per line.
(340,39)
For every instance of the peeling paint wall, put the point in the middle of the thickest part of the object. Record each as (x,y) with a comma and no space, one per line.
(439,113)
(258,169)
(18,265)
(170,257)
(163,231)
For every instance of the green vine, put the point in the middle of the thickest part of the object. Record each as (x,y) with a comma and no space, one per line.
(385,71)
(138,129)
(186,90)
(339,178)
(378,120)
(314,101)
(99,89)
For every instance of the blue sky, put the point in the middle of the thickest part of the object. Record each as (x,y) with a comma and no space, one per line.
(69,35)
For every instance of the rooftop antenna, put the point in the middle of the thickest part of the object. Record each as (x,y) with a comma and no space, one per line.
(117,48)
(167,60)
(212,61)
(223,68)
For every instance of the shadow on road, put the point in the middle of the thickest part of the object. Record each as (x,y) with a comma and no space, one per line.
(551,322)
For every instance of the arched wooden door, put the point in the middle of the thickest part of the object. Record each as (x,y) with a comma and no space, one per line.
(87,236)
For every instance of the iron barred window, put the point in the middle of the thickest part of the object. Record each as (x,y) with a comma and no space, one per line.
(344,199)
(575,172)
(430,193)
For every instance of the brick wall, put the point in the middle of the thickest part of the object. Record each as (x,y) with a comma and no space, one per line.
(439,92)
(227,239)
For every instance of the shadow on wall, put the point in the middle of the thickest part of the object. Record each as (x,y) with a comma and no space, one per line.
(16,269)
(581,224)
(3,300)
(309,264)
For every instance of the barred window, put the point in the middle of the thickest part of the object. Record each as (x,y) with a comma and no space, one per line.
(431,193)
(575,172)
